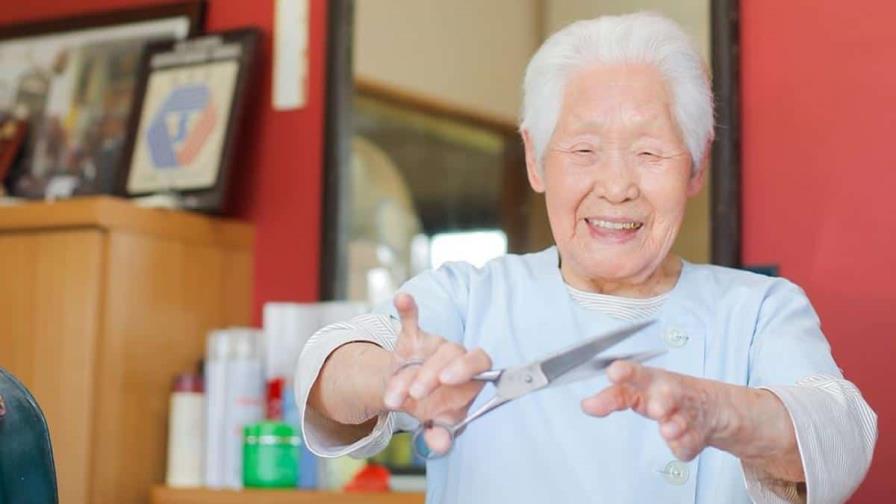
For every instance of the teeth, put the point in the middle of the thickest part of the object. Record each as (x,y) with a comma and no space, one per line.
(614,225)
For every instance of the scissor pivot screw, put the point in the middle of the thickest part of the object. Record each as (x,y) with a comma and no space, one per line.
(528,378)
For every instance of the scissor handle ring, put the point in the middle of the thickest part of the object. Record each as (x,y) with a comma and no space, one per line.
(421,449)
(406,364)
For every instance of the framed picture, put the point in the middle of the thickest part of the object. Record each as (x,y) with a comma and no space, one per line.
(341,128)
(423,174)
(73,80)
(187,112)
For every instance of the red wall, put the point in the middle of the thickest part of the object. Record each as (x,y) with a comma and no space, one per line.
(819,114)
(278,184)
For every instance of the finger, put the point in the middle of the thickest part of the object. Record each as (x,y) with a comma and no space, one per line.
(660,391)
(463,369)
(631,372)
(611,399)
(397,387)
(687,446)
(427,377)
(407,312)
(673,428)
(437,439)
(662,398)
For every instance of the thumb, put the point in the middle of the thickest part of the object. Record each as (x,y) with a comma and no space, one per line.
(407,312)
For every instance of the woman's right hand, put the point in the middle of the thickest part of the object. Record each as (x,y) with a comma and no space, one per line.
(441,387)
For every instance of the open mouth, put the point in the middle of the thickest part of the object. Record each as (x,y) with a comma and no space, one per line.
(614,225)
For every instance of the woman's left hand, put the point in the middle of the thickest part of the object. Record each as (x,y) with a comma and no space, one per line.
(694,413)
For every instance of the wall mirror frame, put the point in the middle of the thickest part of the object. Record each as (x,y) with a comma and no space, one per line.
(724,197)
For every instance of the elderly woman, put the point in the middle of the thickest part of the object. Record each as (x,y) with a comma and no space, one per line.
(746,404)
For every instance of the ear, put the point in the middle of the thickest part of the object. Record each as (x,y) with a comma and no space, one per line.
(535,178)
(698,180)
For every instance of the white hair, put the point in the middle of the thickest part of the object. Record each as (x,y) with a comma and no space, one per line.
(641,38)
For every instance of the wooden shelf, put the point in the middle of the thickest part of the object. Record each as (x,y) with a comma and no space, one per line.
(166,495)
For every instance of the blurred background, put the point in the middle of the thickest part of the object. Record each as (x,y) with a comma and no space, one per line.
(432,172)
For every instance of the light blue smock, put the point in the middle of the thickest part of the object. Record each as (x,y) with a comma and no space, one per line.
(717,323)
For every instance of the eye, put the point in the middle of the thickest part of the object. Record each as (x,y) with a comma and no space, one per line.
(650,157)
(582,149)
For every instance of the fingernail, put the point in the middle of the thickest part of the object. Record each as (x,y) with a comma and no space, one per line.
(448,376)
(417,391)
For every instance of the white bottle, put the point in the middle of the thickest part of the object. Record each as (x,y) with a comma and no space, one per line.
(245,402)
(186,427)
(218,352)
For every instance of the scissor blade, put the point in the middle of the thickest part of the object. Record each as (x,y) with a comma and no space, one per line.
(571,358)
(597,365)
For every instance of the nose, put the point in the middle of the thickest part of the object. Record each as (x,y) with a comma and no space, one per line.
(616,179)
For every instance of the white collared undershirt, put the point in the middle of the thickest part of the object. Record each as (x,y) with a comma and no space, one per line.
(618,307)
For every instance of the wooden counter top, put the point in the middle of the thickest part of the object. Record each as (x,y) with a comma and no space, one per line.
(165,495)
(122,215)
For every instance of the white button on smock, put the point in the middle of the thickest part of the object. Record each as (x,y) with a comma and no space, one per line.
(676,472)
(675,338)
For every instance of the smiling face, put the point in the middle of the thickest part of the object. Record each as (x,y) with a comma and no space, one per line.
(616,176)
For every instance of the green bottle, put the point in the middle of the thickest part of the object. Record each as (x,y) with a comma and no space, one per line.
(270,455)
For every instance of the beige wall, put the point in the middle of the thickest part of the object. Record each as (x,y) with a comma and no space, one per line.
(471,53)
(693,15)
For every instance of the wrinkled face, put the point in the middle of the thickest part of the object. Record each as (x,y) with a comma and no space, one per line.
(616,175)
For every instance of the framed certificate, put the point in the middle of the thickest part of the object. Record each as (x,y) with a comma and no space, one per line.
(187,113)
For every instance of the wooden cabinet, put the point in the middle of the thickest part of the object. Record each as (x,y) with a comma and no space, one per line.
(101,304)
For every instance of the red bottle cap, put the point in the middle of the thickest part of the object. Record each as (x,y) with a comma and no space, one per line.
(275,399)
(188,382)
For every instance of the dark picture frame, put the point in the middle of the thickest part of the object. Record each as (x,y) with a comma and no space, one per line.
(75,89)
(725,202)
(725,188)
(200,83)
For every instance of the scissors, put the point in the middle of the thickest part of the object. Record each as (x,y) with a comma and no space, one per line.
(576,363)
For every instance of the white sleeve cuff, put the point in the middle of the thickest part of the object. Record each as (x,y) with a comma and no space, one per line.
(765,489)
(836,432)
(323,436)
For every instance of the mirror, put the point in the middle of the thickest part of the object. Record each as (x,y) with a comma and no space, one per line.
(468,204)
(424,162)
